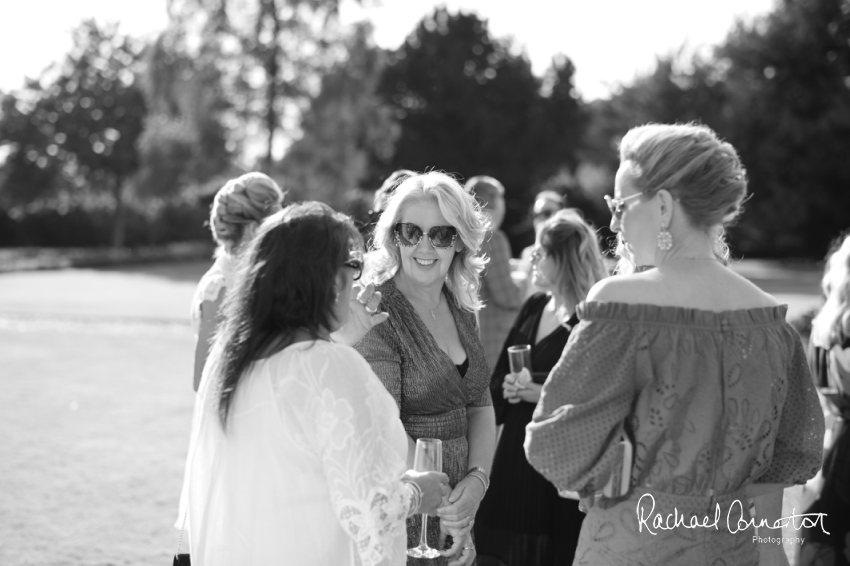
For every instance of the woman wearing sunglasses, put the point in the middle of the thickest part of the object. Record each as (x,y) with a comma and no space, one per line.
(690,364)
(428,354)
(297,453)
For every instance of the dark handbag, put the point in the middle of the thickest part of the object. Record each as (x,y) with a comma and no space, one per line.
(182,559)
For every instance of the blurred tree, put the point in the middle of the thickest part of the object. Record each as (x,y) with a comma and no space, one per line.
(346,126)
(184,142)
(788,77)
(271,53)
(468,104)
(79,125)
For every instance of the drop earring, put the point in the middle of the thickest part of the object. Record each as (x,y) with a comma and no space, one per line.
(336,299)
(665,240)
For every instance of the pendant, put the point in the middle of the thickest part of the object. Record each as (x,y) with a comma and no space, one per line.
(433,316)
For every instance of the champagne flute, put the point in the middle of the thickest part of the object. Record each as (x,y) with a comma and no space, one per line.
(428,458)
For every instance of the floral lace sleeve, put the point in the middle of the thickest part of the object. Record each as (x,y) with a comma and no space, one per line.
(352,423)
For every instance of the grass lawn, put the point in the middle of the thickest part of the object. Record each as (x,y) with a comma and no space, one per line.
(96,403)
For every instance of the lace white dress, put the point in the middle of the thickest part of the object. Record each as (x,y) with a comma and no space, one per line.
(210,287)
(308,471)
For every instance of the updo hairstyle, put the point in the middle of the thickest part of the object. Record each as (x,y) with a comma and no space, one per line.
(702,172)
(240,205)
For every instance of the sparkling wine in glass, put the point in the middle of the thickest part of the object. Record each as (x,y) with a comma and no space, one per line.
(428,458)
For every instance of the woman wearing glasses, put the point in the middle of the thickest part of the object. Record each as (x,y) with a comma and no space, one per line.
(297,453)
(428,354)
(522,520)
(689,363)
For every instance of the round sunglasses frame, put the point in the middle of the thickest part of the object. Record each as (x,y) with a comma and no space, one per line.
(422,233)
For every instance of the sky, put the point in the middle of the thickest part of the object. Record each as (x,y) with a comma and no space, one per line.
(609,41)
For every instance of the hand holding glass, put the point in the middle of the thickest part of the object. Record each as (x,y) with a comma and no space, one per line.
(428,458)
(519,358)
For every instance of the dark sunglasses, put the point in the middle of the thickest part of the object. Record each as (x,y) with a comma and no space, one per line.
(355,262)
(408,234)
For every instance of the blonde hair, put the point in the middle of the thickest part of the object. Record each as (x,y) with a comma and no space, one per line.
(700,170)
(460,210)
(832,324)
(239,206)
(572,244)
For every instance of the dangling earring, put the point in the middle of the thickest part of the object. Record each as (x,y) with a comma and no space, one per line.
(336,299)
(665,240)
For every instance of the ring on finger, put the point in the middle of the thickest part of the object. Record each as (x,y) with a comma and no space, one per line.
(371,310)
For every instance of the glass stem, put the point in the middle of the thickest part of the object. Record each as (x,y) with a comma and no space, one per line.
(423,540)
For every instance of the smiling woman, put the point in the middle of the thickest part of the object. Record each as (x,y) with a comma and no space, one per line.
(428,354)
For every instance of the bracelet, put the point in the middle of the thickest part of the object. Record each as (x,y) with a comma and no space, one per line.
(482,470)
(476,475)
(415,497)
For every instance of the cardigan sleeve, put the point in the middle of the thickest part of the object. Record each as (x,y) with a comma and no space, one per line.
(574,434)
(379,348)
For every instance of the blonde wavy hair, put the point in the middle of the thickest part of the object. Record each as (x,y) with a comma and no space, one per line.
(459,209)
(239,207)
(832,323)
(572,243)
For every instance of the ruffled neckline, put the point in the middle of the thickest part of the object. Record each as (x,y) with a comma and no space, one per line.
(681,316)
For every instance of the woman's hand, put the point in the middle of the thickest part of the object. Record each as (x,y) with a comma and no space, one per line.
(515,384)
(434,486)
(462,546)
(362,306)
(530,393)
(463,504)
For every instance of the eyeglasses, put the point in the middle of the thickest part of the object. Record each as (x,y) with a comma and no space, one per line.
(618,205)
(409,235)
(355,262)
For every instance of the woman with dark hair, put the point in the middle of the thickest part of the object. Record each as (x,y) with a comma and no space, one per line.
(297,453)
(522,520)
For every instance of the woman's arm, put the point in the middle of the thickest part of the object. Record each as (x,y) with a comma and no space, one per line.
(206,331)
(468,493)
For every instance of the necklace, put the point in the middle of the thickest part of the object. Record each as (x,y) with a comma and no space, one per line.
(430,310)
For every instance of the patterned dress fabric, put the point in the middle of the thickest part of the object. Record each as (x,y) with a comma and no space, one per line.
(308,471)
(713,401)
(830,545)
(522,520)
(210,287)
(427,387)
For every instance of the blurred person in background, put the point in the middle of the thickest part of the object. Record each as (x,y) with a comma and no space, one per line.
(382,197)
(297,454)
(829,360)
(499,293)
(238,208)
(689,363)
(546,203)
(522,520)
(428,354)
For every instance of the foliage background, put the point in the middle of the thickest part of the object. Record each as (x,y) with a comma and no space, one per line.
(125,142)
